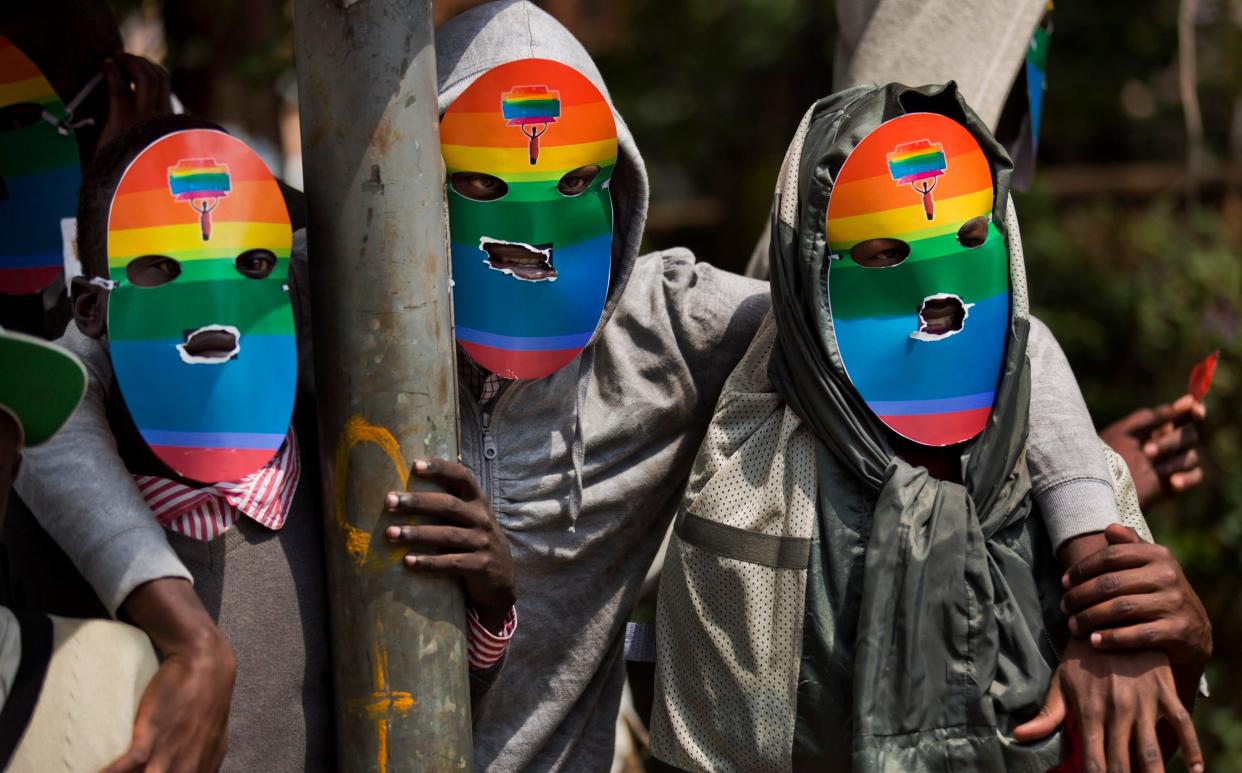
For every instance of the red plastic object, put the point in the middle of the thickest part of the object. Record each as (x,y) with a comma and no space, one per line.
(1201,375)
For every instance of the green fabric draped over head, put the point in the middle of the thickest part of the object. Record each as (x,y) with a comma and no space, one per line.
(948,654)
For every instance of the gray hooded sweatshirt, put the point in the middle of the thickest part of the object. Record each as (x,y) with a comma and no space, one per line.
(584,468)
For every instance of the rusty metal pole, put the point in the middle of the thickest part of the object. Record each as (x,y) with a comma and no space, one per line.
(384,371)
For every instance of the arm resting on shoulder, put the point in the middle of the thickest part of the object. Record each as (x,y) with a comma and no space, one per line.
(81,493)
(1070,477)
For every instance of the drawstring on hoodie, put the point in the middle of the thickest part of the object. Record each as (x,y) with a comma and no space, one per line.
(577,450)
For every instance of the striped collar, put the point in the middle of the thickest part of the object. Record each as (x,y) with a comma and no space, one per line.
(264,496)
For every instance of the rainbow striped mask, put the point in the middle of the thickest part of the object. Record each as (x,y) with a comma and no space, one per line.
(200,325)
(918,280)
(39,175)
(529,149)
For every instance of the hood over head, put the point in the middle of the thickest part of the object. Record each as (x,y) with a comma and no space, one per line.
(497,33)
(801,254)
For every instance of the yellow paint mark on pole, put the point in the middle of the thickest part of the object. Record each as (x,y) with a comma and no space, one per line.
(380,705)
(357,431)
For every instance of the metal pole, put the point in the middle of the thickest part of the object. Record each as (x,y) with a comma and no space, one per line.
(384,371)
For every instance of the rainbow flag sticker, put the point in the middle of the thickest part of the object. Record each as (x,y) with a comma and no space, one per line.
(202,182)
(531,109)
(918,164)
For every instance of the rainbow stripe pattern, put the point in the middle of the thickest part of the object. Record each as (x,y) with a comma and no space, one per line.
(933,390)
(216,421)
(39,177)
(514,327)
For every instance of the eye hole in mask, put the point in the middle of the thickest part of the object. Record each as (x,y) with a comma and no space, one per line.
(256,264)
(20,116)
(575,183)
(974,232)
(880,253)
(478,186)
(152,270)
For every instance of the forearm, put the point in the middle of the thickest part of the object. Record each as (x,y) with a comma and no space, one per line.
(79,490)
(171,613)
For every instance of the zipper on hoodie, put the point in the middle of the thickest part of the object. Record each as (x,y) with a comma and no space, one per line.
(489,453)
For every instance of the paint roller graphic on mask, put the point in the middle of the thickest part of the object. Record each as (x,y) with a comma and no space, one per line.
(202,182)
(918,164)
(531,109)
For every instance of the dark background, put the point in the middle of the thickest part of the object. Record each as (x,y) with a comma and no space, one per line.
(1132,231)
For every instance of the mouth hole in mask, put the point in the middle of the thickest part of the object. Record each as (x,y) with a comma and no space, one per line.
(880,253)
(210,345)
(941,316)
(528,262)
(478,185)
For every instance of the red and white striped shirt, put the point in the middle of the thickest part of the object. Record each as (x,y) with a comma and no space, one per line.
(484,649)
(264,496)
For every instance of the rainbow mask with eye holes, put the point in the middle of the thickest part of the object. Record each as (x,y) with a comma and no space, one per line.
(39,175)
(529,149)
(919,278)
(200,324)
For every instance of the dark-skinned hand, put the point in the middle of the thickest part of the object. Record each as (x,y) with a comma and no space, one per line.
(1118,699)
(1133,595)
(1160,446)
(182,720)
(471,542)
(137,89)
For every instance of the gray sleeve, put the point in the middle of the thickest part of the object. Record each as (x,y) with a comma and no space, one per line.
(877,36)
(80,492)
(1070,476)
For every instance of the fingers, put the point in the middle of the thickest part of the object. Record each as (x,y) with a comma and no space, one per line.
(118,89)
(1116,534)
(1118,743)
(1114,585)
(451,476)
(435,504)
(1049,718)
(1157,634)
(1189,409)
(1175,441)
(1181,481)
(449,563)
(1177,715)
(137,87)
(1147,745)
(137,755)
(452,537)
(1112,559)
(1183,461)
(1144,420)
(1127,609)
(1091,728)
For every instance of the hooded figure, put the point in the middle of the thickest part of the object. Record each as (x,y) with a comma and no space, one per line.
(583,467)
(907,623)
